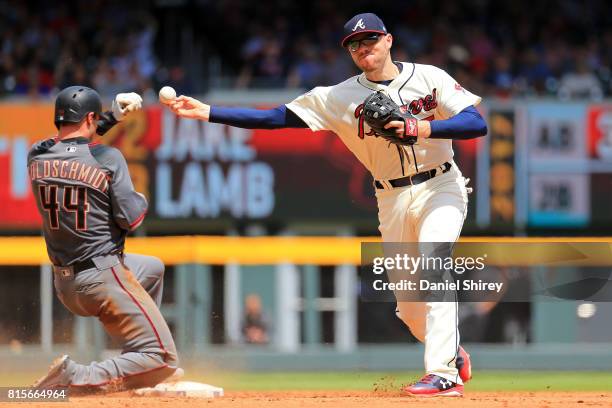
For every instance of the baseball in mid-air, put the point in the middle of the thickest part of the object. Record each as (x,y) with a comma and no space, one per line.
(167,94)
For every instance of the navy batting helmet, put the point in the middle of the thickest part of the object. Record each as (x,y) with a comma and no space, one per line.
(74,103)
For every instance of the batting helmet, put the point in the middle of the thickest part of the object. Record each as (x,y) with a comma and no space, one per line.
(74,103)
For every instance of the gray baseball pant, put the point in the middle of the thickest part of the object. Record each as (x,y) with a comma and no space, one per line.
(124,293)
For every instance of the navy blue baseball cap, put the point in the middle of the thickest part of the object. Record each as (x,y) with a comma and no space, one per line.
(363,23)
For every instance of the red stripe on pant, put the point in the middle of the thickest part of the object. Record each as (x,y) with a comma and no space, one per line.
(161,345)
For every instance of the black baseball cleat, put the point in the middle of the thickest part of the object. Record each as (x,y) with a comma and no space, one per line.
(434,386)
(464,365)
(56,376)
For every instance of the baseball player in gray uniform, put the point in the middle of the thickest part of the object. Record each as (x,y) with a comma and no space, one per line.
(421,193)
(88,205)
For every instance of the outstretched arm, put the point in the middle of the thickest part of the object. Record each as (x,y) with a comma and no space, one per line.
(276,118)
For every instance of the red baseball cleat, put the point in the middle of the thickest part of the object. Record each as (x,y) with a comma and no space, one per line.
(434,386)
(464,365)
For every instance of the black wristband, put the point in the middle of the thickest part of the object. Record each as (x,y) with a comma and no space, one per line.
(106,122)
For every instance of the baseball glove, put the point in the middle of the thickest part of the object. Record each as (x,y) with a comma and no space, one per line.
(379,109)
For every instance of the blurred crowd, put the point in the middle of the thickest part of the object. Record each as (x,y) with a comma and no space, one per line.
(507,47)
(504,48)
(45,47)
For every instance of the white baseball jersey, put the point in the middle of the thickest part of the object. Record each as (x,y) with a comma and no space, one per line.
(425,91)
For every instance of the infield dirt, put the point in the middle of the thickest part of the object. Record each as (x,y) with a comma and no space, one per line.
(348,399)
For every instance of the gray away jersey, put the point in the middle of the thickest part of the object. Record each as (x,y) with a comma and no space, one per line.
(85,197)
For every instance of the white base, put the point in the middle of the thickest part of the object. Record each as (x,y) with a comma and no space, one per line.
(180,389)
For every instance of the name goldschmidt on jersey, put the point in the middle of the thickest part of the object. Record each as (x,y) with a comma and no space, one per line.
(69,170)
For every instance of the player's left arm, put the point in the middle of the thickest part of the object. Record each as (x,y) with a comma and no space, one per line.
(467,124)
(455,103)
(129,206)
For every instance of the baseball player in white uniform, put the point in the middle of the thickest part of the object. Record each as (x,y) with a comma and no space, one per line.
(421,193)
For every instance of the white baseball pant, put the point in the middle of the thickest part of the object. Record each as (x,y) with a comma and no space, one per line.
(432,211)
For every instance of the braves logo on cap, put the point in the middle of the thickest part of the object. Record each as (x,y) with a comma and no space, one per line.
(363,23)
(359,25)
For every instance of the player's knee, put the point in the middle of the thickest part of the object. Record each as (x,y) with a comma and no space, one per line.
(157,267)
(171,358)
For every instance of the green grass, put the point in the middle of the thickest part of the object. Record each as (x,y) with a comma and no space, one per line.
(483,381)
(390,381)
